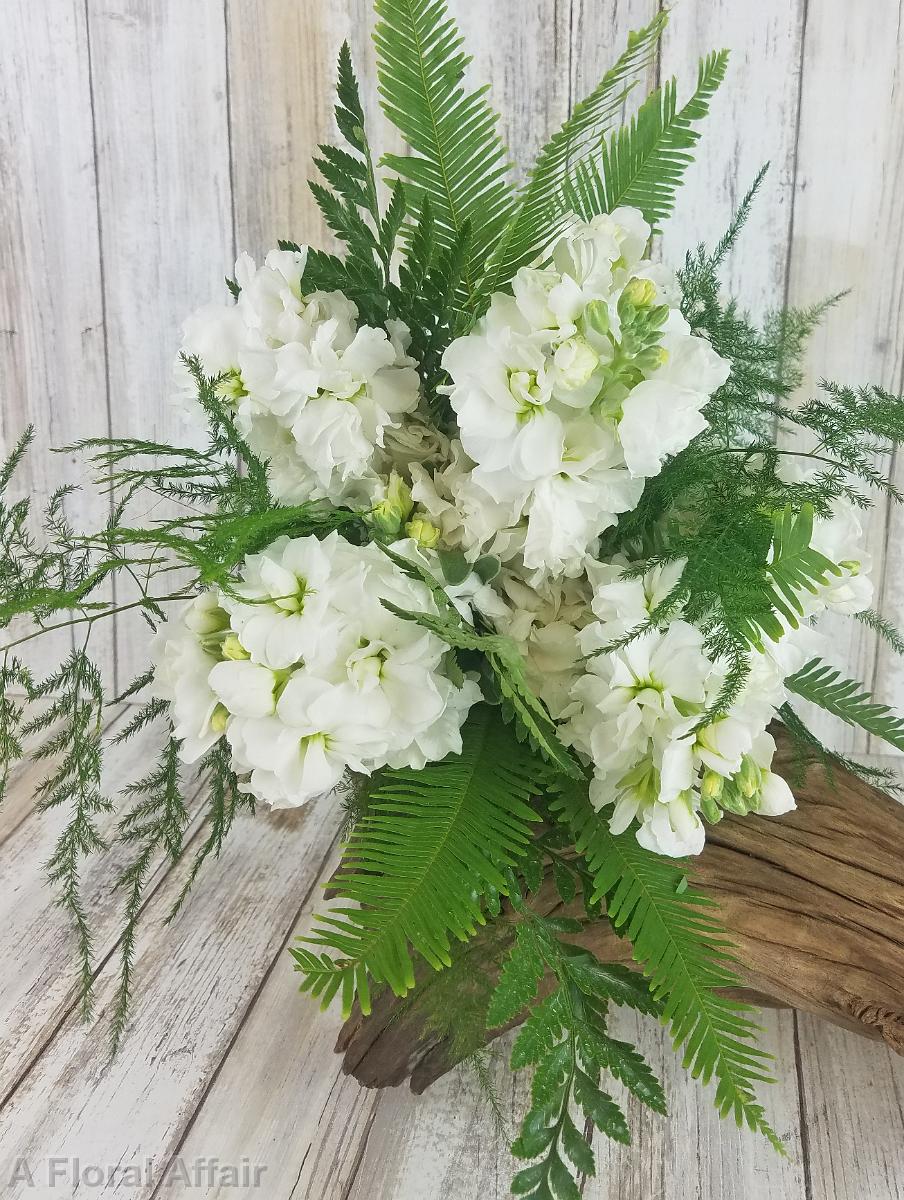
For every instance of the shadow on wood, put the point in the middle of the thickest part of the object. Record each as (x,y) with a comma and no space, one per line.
(814,903)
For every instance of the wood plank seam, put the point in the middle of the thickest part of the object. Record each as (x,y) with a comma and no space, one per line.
(227,1050)
(165,865)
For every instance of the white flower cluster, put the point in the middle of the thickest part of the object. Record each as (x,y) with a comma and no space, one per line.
(313,392)
(569,394)
(636,709)
(307,674)
(636,713)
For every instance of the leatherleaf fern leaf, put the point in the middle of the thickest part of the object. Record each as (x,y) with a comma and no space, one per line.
(677,938)
(424,863)
(643,162)
(458,159)
(822,684)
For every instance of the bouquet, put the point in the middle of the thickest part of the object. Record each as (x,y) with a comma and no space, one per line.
(511,530)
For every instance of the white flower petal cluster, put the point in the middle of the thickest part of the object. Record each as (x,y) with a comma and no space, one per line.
(307,674)
(569,394)
(313,392)
(637,711)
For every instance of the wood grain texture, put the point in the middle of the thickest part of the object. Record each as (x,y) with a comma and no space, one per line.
(52,343)
(160,104)
(282,71)
(200,977)
(739,137)
(848,207)
(36,934)
(813,903)
(852,1102)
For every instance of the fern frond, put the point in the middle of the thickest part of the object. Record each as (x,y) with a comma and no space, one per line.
(458,159)
(679,941)
(431,848)
(643,162)
(542,204)
(822,684)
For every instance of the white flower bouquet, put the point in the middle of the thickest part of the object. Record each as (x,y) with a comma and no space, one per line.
(490,517)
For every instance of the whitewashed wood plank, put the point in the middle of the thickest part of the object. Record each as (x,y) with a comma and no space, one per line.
(284,1052)
(599,34)
(691,1153)
(160,103)
(282,70)
(752,121)
(853,1107)
(446,1142)
(848,212)
(51,305)
(37,935)
(521,49)
(26,775)
(199,977)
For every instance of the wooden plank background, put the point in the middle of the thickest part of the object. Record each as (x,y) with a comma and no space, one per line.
(144,142)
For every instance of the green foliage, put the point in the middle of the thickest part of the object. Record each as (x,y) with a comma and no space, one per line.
(155,824)
(423,863)
(642,164)
(565,1041)
(679,941)
(225,800)
(73,718)
(543,201)
(430,277)
(822,684)
(458,160)
(808,749)
(350,207)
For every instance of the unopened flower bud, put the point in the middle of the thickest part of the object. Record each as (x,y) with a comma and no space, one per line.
(233,649)
(596,316)
(390,513)
(712,785)
(218,718)
(749,778)
(710,810)
(424,532)
(639,293)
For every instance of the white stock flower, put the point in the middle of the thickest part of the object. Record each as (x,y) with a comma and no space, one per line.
(572,391)
(637,710)
(182,665)
(313,392)
(307,672)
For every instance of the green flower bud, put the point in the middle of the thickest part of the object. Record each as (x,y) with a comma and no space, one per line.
(639,293)
(749,779)
(710,810)
(233,649)
(712,785)
(389,514)
(596,316)
(424,532)
(733,801)
(218,718)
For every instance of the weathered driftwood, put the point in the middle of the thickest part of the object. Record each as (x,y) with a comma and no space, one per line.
(814,902)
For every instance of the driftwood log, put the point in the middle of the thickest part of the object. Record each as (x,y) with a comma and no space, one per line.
(814,902)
